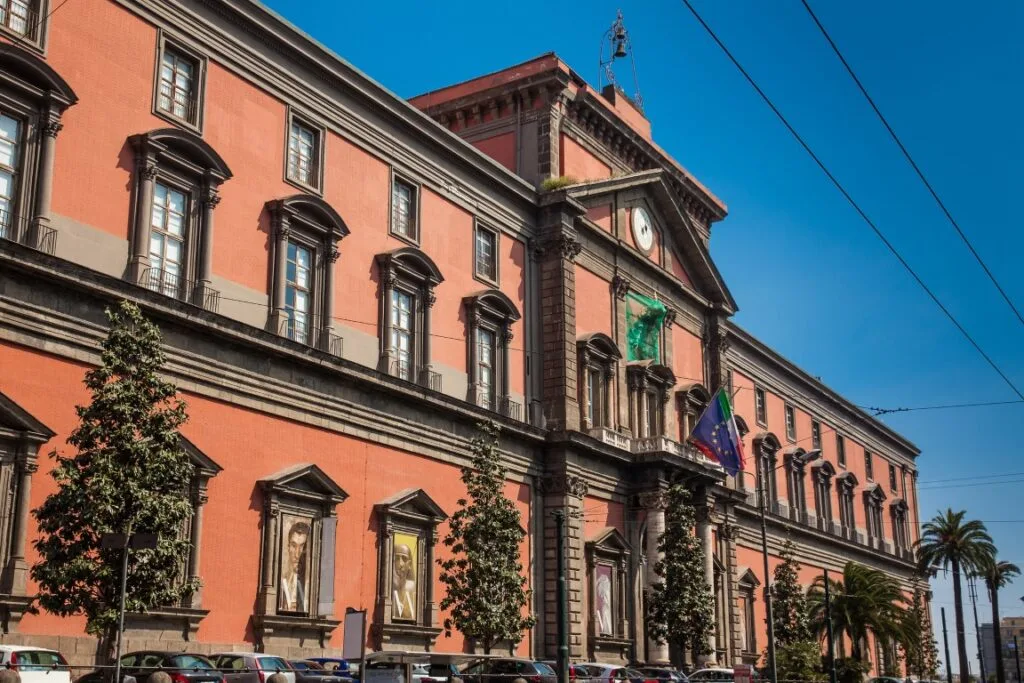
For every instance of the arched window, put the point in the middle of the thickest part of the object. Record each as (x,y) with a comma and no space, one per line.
(649,384)
(900,537)
(490,315)
(874,497)
(846,484)
(407,281)
(306,233)
(822,473)
(33,97)
(176,179)
(597,357)
(795,488)
(766,448)
(691,400)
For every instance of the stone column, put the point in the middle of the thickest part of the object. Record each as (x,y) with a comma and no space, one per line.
(641,409)
(267,603)
(199,500)
(282,232)
(430,618)
(705,525)
(327,322)
(564,491)
(44,185)
(139,260)
(620,287)
(428,299)
(17,568)
(729,532)
(505,385)
(716,341)
(204,272)
(654,503)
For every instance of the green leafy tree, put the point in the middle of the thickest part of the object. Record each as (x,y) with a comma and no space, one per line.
(865,601)
(920,650)
(681,608)
(486,596)
(129,474)
(949,542)
(789,607)
(799,661)
(996,575)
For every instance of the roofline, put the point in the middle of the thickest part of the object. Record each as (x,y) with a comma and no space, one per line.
(489,74)
(308,48)
(820,387)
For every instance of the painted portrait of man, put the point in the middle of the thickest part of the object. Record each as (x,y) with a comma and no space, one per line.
(292,594)
(404,571)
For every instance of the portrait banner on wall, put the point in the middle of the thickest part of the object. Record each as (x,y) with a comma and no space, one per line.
(603,600)
(404,576)
(296,537)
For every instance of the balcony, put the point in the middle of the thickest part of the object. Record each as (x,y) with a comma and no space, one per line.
(173,285)
(425,377)
(663,444)
(308,331)
(23,232)
(504,405)
(611,437)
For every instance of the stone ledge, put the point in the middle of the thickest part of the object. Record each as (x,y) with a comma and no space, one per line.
(12,609)
(179,622)
(396,636)
(295,628)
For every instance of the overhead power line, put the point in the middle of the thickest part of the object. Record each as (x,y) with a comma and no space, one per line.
(846,195)
(913,164)
(887,411)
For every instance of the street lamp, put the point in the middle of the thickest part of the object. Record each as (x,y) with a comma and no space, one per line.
(803,459)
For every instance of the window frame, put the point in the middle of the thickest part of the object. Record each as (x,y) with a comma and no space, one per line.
(597,354)
(869,466)
(37,39)
(644,379)
(840,450)
(493,312)
(815,434)
(892,478)
(320,151)
(410,270)
(416,206)
(609,549)
(173,181)
(479,228)
(789,413)
(183,47)
(303,239)
(760,412)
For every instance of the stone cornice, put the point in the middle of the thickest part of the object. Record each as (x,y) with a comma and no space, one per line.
(755,359)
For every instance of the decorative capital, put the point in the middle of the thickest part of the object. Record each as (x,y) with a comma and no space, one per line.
(212,198)
(705,512)
(653,500)
(670,317)
(148,171)
(730,531)
(569,247)
(51,128)
(620,286)
(506,336)
(30,466)
(564,484)
(429,298)
(333,255)
(272,508)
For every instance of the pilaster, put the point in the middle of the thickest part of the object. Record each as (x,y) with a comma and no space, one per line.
(729,532)
(654,502)
(716,343)
(564,491)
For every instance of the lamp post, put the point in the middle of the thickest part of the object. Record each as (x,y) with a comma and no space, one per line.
(563,599)
(973,590)
(828,628)
(124,543)
(807,457)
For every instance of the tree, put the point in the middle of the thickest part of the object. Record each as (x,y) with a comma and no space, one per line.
(996,575)
(865,600)
(920,650)
(129,474)
(486,591)
(789,606)
(681,609)
(799,661)
(948,542)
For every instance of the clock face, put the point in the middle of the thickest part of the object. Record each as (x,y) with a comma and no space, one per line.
(643,228)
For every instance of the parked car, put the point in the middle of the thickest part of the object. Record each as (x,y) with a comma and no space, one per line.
(663,674)
(436,673)
(336,665)
(183,667)
(714,675)
(576,671)
(35,664)
(313,672)
(251,667)
(508,670)
(610,673)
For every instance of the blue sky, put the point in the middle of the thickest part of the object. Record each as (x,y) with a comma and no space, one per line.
(810,278)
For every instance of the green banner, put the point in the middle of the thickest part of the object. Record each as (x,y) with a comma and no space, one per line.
(644,319)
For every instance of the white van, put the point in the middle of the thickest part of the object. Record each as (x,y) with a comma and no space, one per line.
(35,664)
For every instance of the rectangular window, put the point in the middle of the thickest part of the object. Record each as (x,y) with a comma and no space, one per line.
(19,16)
(749,623)
(760,407)
(840,450)
(892,477)
(167,240)
(298,292)
(177,88)
(403,209)
(485,367)
(10,155)
(402,333)
(790,423)
(595,385)
(815,434)
(485,263)
(653,412)
(868,470)
(304,155)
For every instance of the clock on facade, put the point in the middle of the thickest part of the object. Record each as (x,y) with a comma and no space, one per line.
(643,229)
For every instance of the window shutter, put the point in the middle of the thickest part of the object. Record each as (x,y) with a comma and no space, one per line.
(329,530)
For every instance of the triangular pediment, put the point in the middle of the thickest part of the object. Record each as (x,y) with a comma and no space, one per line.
(745,576)
(683,252)
(204,464)
(16,422)
(412,504)
(305,481)
(610,540)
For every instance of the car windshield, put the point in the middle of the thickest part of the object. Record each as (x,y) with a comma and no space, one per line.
(37,660)
(190,662)
(544,669)
(633,673)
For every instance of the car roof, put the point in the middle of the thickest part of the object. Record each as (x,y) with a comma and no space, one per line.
(23,648)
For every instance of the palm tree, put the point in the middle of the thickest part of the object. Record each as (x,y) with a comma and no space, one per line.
(996,575)
(947,541)
(865,600)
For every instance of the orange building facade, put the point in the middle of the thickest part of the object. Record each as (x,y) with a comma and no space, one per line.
(347,284)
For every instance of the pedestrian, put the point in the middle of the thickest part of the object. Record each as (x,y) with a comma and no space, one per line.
(156,677)
(9,676)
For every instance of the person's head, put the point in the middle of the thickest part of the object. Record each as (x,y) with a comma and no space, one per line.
(159,677)
(9,676)
(403,563)
(297,537)
(278,677)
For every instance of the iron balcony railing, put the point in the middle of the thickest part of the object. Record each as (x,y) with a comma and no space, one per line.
(311,331)
(23,231)
(199,294)
(406,370)
(503,405)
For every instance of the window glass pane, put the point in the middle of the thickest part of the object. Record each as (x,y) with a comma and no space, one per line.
(486,264)
(402,210)
(176,84)
(9,129)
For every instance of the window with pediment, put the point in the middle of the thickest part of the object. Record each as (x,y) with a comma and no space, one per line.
(846,484)
(748,584)
(822,473)
(33,98)
(296,593)
(649,385)
(874,498)
(597,357)
(407,281)
(306,234)
(795,483)
(177,176)
(490,315)
(766,449)
(406,614)
(608,555)
(21,438)
(691,401)
(900,536)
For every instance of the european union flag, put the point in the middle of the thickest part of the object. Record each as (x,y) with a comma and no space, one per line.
(716,435)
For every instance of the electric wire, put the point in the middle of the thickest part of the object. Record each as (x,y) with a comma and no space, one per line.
(853,203)
(20,40)
(913,164)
